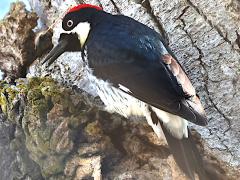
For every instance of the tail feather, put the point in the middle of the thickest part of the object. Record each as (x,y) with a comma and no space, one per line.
(186,155)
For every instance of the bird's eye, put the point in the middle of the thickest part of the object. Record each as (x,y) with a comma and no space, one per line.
(69,23)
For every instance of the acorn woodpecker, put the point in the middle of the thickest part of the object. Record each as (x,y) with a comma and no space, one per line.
(135,63)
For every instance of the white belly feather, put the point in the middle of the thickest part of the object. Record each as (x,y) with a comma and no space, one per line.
(128,106)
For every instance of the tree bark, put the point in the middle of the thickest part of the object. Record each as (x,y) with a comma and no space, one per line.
(204,35)
(68,135)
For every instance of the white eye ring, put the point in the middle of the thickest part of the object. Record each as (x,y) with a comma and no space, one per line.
(69,23)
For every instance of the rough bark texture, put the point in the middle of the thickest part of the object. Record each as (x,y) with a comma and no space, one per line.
(16,35)
(54,132)
(204,35)
(69,137)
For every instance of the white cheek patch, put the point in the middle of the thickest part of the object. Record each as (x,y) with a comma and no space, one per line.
(82,30)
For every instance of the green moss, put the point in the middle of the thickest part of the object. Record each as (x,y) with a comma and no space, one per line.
(46,105)
(9,95)
(53,165)
(40,94)
(93,129)
(3,103)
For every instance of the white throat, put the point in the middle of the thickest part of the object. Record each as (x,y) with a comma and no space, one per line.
(82,30)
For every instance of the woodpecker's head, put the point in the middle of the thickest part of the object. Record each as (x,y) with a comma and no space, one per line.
(76,26)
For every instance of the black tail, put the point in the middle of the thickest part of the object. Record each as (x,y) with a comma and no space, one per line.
(186,155)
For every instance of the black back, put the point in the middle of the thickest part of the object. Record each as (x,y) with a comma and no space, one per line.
(124,51)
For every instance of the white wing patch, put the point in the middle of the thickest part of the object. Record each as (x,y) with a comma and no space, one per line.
(156,127)
(125,89)
(176,125)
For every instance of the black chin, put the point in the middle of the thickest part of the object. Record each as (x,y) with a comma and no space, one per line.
(66,42)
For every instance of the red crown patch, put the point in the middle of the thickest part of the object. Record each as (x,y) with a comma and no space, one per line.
(82,6)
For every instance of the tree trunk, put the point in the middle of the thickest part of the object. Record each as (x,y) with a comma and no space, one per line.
(68,136)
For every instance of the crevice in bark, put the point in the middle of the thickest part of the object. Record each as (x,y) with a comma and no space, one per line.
(183,12)
(115,6)
(146,4)
(222,149)
(219,111)
(213,26)
(205,75)
(79,1)
(238,39)
(100,4)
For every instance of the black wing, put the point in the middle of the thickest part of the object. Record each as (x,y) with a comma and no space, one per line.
(127,53)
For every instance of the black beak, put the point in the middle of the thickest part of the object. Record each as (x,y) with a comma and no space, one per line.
(66,41)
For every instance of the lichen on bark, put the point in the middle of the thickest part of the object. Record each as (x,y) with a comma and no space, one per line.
(68,138)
